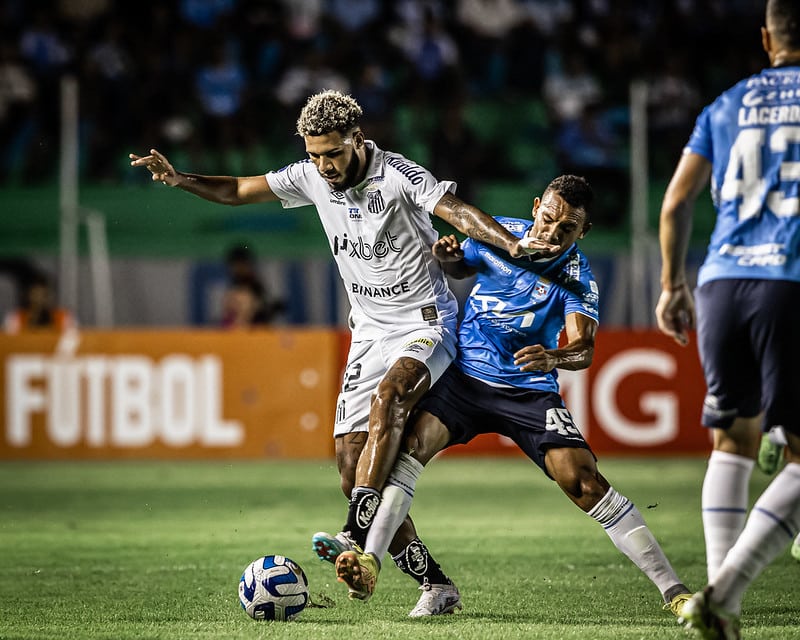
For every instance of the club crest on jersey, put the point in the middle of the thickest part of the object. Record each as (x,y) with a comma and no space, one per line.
(541,288)
(376,202)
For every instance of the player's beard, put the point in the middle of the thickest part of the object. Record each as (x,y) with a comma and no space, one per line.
(350,175)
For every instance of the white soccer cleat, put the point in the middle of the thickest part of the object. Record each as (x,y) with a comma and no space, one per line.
(436,600)
(328,547)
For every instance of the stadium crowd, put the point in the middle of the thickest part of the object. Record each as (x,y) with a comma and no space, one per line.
(230,75)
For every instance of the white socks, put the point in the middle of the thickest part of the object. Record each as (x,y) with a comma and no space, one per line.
(772,525)
(398,492)
(625,526)
(725,502)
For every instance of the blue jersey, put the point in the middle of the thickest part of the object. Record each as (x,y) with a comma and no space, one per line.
(517,302)
(751,135)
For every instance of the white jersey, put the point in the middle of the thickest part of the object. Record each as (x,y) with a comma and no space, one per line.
(380,233)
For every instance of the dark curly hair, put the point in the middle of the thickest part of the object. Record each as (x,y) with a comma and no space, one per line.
(575,190)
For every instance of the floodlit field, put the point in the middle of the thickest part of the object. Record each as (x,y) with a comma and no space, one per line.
(155,550)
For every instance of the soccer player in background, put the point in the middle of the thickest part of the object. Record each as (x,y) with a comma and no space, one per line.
(375,208)
(748,303)
(504,380)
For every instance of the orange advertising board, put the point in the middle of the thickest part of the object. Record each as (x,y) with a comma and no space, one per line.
(643,395)
(169,394)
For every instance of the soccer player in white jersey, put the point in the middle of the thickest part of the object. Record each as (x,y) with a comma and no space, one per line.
(748,302)
(375,208)
(504,380)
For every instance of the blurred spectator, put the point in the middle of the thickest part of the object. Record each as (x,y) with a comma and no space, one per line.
(487,27)
(244,306)
(47,54)
(37,310)
(373,91)
(569,87)
(221,85)
(673,102)
(204,14)
(17,100)
(246,302)
(109,70)
(433,55)
(456,152)
(310,75)
(588,146)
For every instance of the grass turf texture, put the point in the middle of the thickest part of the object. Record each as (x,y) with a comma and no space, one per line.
(155,550)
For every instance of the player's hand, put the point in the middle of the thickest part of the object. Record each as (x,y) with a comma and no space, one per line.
(534,358)
(530,246)
(447,249)
(158,165)
(675,313)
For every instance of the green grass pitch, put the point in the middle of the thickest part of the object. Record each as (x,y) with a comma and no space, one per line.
(155,550)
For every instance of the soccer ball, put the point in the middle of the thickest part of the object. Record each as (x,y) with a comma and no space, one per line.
(273,588)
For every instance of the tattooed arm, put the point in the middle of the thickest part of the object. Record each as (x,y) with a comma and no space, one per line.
(481,226)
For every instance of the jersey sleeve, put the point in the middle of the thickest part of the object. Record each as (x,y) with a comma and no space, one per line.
(700,140)
(586,299)
(471,254)
(289,184)
(420,186)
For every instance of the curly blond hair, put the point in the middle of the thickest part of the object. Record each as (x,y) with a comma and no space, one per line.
(326,112)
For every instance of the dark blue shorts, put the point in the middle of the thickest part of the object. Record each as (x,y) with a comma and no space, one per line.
(535,420)
(748,335)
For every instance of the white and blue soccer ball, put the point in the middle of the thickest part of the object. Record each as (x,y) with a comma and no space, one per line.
(273,588)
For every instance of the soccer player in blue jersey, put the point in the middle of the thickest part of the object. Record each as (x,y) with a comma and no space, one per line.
(747,307)
(504,380)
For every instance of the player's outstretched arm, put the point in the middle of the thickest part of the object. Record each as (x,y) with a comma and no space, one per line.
(479,225)
(576,354)
(222,189)
(675,307)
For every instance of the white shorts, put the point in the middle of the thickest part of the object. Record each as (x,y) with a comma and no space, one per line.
(369,360)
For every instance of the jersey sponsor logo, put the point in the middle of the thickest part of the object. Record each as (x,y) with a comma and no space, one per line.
(376,203)
(380,292)
(494,310)
(759,255)
(362,250)
(497,262)
(413,172)
(354,213)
